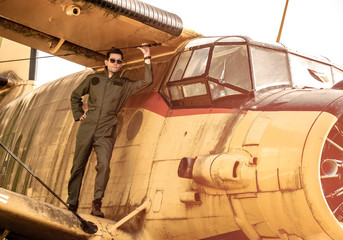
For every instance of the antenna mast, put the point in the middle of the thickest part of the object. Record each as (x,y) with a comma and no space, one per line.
(282,21)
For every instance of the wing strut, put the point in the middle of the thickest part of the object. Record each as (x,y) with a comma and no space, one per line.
(87,226)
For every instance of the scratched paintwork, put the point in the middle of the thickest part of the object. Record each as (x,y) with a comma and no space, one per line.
(145,166)
(46,110)
(256,167)
(86,36)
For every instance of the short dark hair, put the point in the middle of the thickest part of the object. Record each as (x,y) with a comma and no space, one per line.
(114,50)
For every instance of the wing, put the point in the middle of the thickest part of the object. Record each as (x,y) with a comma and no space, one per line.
(82,31)
(35,219)
(22,217)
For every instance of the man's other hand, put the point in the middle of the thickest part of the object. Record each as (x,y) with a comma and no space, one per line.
(83,117)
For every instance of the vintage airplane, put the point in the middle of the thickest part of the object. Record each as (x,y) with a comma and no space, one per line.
(235,139)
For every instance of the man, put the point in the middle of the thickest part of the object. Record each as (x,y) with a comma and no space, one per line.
(108,93)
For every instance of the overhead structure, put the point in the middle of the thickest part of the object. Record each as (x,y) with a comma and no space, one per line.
(82,31)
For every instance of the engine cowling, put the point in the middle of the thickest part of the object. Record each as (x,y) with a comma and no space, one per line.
(282,173)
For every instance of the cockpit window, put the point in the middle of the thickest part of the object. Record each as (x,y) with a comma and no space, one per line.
(270,68)
(176,92)
(198,62)
(309,73)
(180,66)
(194,61)
(198,80)
(219,91)
(188,90)
(230,65)
(194,89)
(226,71)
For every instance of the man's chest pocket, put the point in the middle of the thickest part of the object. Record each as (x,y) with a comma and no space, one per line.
(117,90)
(94,89)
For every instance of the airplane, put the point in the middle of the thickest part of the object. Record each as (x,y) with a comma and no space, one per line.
(235,139)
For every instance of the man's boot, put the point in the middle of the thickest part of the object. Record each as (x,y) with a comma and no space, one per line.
(96,205)
(72,208)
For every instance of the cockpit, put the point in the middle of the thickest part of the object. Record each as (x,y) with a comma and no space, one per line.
(225,71)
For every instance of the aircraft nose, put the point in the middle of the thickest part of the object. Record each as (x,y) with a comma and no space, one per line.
(331,169)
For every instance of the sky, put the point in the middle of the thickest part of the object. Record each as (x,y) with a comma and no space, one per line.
(311,26)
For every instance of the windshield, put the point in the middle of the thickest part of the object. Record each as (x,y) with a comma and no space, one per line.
(230,67)
(208,73)
(225,71)
(270,67)
(195,61)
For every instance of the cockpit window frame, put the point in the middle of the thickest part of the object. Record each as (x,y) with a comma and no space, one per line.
(255,90)
(204,77)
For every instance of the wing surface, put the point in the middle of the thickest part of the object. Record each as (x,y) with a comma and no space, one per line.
(24,217)
(84,29)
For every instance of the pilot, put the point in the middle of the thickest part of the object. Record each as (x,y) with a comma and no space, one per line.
(108,93)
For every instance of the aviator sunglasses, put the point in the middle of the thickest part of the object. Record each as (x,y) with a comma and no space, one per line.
(119,61)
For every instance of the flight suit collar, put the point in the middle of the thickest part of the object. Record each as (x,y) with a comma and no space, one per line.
(115,75)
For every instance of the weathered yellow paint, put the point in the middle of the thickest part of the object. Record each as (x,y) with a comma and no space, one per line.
(85,34)
(280,148)
(312,185)
(255,172)
(146,167)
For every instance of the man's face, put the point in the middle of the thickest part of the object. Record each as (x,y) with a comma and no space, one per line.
(112,62)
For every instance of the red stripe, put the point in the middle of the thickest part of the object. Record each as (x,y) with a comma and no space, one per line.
(197,111)
(150,101)
(155,103)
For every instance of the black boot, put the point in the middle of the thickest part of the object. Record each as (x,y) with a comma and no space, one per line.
(72,207)
(96,205)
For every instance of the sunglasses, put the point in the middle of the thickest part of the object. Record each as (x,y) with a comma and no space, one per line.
(119,61)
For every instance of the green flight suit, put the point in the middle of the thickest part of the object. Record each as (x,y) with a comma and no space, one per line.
(98,130)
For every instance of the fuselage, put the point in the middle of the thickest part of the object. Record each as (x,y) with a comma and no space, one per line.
(255,140)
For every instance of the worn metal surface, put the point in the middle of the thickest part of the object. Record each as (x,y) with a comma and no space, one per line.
(24,213)
(145,13)
(256,172)
(86,36)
